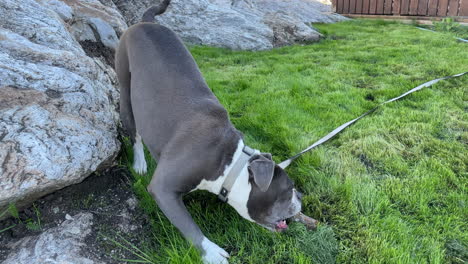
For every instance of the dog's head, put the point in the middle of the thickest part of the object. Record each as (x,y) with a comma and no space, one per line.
(272,197)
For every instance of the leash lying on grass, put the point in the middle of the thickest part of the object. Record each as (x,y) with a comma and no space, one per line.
(337,130)
(460,39)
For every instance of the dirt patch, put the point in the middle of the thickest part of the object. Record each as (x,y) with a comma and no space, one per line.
(108,196)
(97,49)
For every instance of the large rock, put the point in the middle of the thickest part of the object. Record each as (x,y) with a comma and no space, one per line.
(59,245)
(132,10)
(202,22)
(90,20)
(58,118)
(287,29)
(307,11)
(238,24)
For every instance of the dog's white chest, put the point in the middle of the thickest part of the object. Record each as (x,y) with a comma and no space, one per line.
(215,186)
(239,194)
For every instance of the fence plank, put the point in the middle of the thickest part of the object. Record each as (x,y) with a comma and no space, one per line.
(345,6)
(358,6)
(422,7)
(380,7)
(453,8)
(365,7)
(373,7)
(352,6)
(442,9)
(463,11)
(432,8)
(413,7)
(339,6)
(388,7)
(396,7)
(404,7)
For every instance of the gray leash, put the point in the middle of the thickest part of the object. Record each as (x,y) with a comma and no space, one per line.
(460,39)
(337,130)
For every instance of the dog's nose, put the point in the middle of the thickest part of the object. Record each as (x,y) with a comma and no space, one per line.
(298,194)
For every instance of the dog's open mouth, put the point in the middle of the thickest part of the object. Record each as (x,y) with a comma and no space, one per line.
(281,225)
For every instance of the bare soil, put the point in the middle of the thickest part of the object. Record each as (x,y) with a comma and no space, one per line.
(107,195)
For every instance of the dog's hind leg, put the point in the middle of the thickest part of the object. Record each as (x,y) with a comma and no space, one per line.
(126,112)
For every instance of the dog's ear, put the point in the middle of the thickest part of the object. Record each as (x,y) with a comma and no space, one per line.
(261,169)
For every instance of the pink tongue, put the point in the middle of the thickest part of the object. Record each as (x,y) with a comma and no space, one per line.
(282,224)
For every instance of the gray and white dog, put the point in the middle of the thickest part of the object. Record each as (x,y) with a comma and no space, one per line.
(165,102)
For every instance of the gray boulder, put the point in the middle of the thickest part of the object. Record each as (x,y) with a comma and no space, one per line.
(287,29)
(238,24)
(204,23)
(106,33)
(307,11)
(63,10)
(132,10)
(58,118)
(90,20)
(58,245)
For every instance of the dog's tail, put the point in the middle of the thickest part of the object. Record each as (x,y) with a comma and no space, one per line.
(153,11)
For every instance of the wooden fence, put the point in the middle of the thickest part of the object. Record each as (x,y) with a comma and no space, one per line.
(440,8)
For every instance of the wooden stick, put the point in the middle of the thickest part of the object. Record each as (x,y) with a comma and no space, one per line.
(309,222)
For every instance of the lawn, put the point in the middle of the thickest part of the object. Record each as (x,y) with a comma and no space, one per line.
(390,189)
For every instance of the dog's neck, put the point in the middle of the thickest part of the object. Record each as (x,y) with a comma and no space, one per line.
(240,191)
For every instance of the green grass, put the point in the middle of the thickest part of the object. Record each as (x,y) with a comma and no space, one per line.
(390,189)
(449,25)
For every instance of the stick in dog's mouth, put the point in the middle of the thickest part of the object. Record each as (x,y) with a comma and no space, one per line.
(309,222)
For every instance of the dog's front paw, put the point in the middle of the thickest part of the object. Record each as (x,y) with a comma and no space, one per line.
(213,254)
(139,165)
(139,162)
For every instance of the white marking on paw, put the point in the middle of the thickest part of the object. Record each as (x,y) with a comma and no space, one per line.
(213,254)
(139,162)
